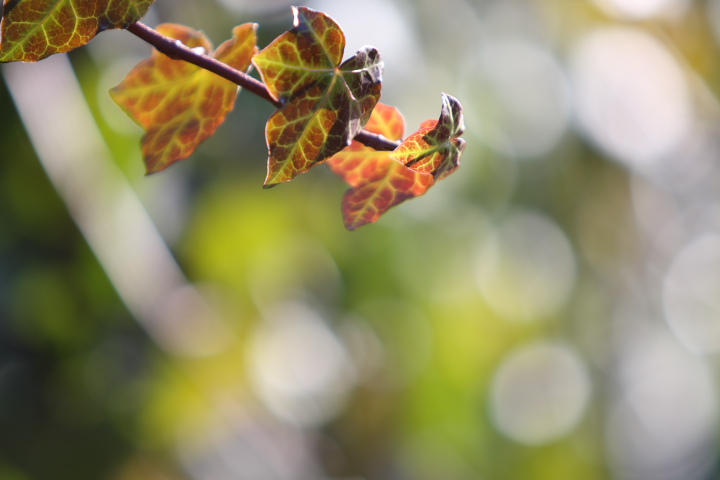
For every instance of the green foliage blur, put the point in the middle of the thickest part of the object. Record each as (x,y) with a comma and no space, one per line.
(551,311)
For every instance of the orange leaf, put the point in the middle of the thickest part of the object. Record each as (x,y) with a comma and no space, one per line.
(369,201)
(178,104)
(377,182)
(435,147)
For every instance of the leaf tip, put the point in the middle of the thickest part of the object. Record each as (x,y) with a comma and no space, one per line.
(452,110)
(270,183)
(153,164)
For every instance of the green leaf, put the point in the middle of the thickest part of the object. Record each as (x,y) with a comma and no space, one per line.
(325,103)
(435,148)
(377,182)
(178,104)
(35,29)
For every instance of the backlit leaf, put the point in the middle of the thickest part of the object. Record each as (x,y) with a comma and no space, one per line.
(35,29)
(178,104)
(435,148)
(325,103)
(377,182)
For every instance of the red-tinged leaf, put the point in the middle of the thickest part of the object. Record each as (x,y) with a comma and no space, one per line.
(435,148)
(326,103)
(35,29)
(358,164)
(386,121)
(377,182)
(368,202)
(178,104)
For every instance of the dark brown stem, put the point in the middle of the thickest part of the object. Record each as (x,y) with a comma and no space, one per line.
(178,51)
(175,49)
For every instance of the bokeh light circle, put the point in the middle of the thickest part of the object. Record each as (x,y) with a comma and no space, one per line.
(642,9)
(539,393)
(526,267)
(691,295)
(663,424)
(632,97)
(522,100)
(298,366)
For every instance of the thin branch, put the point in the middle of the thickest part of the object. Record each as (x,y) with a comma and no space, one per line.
(175,49)
(178,51)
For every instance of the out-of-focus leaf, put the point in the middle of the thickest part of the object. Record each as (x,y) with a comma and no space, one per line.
(177,103)
(35,29)
(378,182)
(435,148)
(326,103)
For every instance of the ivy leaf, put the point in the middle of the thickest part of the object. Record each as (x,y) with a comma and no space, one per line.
(325,103)
(177,103)
(35,29)
(377,182)
(435,148)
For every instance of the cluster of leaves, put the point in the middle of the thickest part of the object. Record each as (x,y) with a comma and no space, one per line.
(380,180)
(324,104)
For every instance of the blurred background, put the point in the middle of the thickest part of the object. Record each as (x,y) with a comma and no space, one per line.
(551,311)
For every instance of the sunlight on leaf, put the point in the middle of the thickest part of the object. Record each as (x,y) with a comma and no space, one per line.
(326,103)
(378,182)
(435,148)
(177,103)
(35,29)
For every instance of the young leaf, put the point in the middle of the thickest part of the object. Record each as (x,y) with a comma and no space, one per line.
(35,29)
(435,148)
(177,103)
(377,181)
(325,103)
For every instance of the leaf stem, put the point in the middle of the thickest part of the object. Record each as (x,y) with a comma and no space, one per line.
(178,51)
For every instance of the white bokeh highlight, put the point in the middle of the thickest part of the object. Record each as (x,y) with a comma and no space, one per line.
(526,267)
(539,393)
(524,97)
(642,9)
(632,97)
(298,366)
(663,424)
(691,295)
